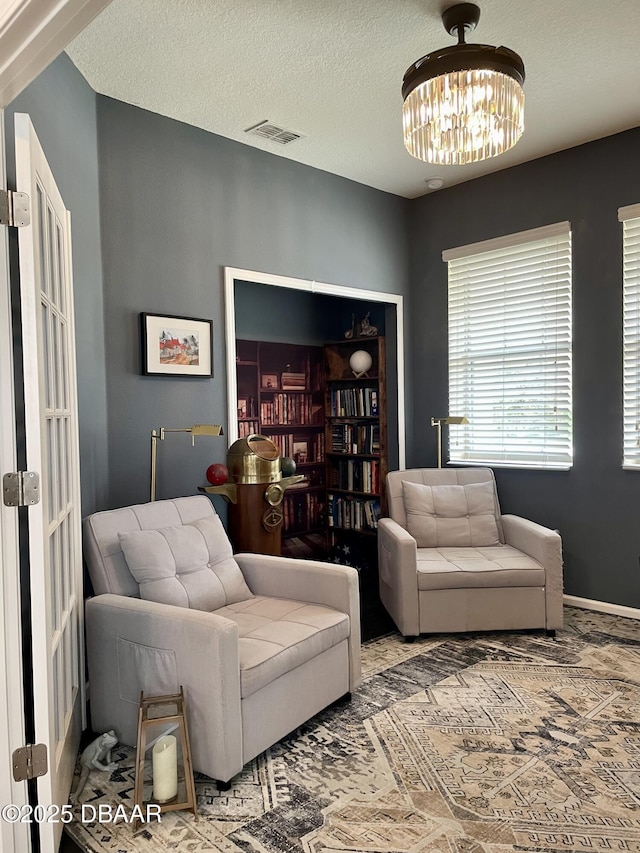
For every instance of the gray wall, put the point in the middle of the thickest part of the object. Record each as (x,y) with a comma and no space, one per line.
(595,505)
(62,107)
(178,204)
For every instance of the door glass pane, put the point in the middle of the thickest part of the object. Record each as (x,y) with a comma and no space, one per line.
(64,343)
(54,592)
(60,258)
(51,469)
(55,367)
(63,531)
(67,672)
(57,724)
(44,280)
(46,355)
(53,266)
(63,496)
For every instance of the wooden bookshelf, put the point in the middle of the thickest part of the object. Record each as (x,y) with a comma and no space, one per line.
(355,438)
(281,395)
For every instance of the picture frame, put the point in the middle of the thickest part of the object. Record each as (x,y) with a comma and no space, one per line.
(176,346)
(242,407)
(269,380)
(300,451)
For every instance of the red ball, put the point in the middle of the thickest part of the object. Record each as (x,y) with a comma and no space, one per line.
(217,474)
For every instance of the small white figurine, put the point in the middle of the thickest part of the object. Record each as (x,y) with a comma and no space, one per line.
(92,758)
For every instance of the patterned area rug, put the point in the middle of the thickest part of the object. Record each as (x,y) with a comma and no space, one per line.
(480,743)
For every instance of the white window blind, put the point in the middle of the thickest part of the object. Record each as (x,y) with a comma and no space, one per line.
(630,218)
(510,349)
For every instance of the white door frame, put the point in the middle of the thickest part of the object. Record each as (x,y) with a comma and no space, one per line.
(33,33)
(233,274)
(12,732)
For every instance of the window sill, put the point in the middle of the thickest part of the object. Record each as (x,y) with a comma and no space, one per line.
(523,466)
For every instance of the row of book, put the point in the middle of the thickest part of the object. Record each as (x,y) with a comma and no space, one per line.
(354,402)
(355,438)
(246,428)
(352,513)
(356,475)
(302,512)
(290,409)
(300,449)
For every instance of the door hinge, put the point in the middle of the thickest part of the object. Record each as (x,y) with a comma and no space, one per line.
(21,488)
(15,209)
(30,761)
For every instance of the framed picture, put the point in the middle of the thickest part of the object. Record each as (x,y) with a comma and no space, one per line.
(301,451)
(269,380)
(242,408)
(176,346)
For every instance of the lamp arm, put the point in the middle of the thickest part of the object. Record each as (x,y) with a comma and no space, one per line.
(154,453)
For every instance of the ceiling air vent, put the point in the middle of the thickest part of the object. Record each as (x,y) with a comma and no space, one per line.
(267,130)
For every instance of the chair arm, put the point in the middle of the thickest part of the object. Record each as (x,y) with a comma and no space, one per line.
(544,545)
(314,582)
(135,645)
(397,565)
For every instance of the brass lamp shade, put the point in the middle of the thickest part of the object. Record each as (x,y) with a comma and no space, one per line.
(447,421)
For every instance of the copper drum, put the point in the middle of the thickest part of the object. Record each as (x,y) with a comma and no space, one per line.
(254,459)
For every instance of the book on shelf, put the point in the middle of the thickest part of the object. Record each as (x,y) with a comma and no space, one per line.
(291,444)
(352,513)
(246,428)
(293,381)
(354,402)
(355,438)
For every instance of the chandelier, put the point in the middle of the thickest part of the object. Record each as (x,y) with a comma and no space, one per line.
(463,103)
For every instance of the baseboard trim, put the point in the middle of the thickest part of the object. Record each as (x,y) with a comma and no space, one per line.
(602,606)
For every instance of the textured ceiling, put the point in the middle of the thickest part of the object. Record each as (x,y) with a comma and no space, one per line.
(332,70)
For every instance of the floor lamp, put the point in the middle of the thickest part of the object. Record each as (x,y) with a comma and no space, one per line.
(438,422)
(196,429)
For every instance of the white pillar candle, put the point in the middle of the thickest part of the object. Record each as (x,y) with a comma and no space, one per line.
(165,769)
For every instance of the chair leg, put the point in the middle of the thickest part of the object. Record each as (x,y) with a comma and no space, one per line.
(223,786)
(408,638)
(550,632)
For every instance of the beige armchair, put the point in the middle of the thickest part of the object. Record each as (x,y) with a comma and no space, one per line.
(259,643)
(449,561)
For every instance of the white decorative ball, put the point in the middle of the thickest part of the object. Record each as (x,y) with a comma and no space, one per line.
(360,361)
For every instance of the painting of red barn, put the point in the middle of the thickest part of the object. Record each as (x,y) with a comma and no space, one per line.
(176,346)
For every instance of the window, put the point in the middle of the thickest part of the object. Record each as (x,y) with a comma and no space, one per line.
(630,218)
(510,349)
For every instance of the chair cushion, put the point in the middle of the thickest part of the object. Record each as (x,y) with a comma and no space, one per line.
(189,565)
(277,635)
(463,568)
(451,516)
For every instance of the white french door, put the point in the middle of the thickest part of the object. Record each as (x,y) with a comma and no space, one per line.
(51,428)
(13,836)
(32,33)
